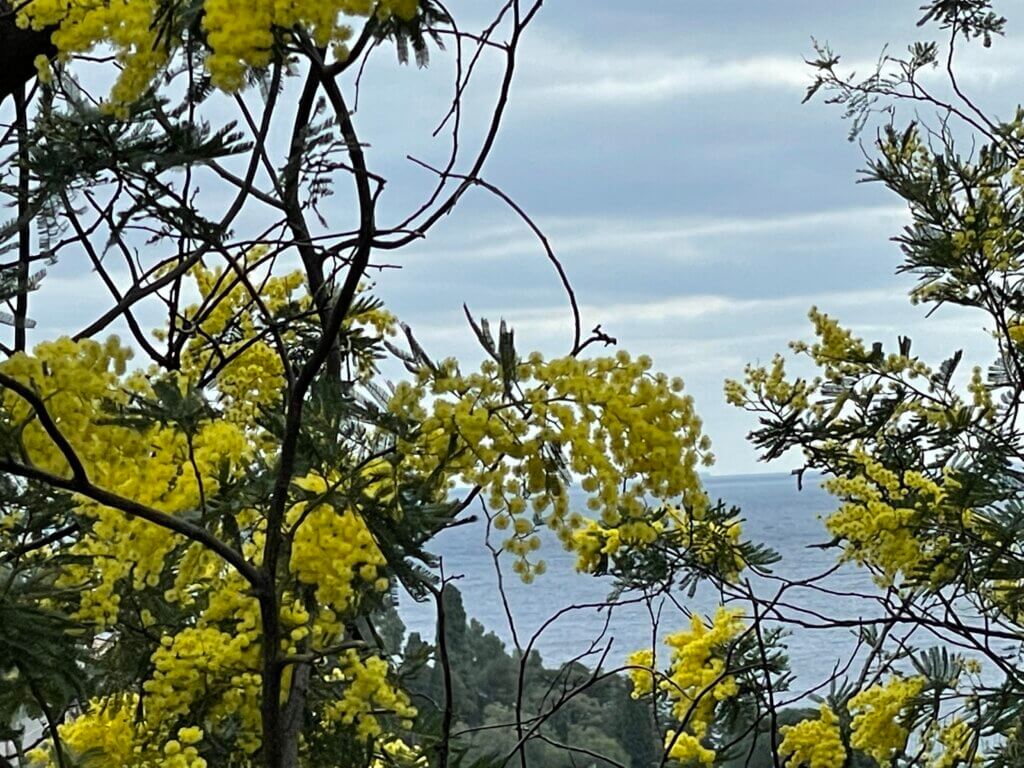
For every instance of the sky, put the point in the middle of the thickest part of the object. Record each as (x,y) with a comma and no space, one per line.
(699,208)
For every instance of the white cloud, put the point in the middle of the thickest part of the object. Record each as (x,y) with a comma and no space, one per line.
(576,73)
(581,77)
(691,308)
(676,238)
(657,78)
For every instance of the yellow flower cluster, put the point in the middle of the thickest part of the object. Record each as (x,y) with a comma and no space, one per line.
(957,746)
(836,345)
(1005,594)
(332,550)
(242,38)
(368,693)
(209,665)
(981,394)
(697,679)
(241,34)
(714,545)
(398,753)
(770,385)
(107,736)
(250,375)
(70,376)
(218,662)
(984,228)
(128,26)
(593,542)
(177,755)
(814,743)
(878,728)
(157,466)
(882,514)
(367,324)
(229,331)
(105,728)
(836,351)
(978,223)
(687,749)
(629,434)
(840,353)
(213,663)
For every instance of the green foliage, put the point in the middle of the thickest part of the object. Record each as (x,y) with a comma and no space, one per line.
(601,718)
(925,461)
(415,33)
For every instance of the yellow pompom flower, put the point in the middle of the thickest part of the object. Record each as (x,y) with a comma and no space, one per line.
(242,34)
(814,743)
(696,682)
(878,727)
(687,750)
(627,431)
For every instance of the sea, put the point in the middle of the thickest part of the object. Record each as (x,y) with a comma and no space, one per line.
(564,614)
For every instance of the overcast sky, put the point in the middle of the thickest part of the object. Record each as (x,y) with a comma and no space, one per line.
(699,208)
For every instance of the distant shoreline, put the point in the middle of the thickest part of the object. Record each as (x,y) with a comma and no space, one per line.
(757,476)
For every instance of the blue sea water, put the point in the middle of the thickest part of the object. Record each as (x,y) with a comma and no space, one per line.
(559,612)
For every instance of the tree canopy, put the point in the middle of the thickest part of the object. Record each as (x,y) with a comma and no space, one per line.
(218,526)
(211,493)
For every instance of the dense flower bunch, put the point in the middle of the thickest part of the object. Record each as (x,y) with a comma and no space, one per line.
(696,682)
(228,324)
(89,393)
(900,520)
(629,434)
(711,544)
(81,385)
(106,727)
(880,729)
(241,36)
(367,689)
(193,666)
(956,744)
(185,444)
(397,752)
(879,726)
(130,27)
(209,666)
(883,515)
(332,550)
(107,735)
(814,743)
(837,352)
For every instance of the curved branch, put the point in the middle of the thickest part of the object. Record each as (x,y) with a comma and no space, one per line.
(78,473)
(102,496)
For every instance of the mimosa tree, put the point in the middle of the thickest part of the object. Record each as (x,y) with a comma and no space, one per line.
(210,494)
(924,460)
(201,520)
